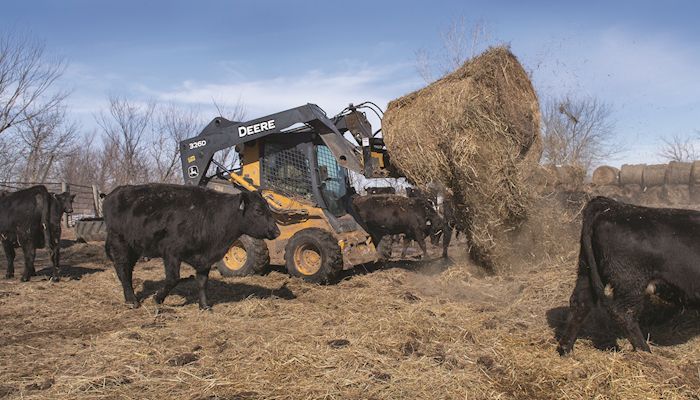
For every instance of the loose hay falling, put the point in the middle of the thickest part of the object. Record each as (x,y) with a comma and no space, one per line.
(476,131)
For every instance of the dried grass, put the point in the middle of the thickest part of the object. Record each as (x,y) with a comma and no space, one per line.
(412,331)
(476,132)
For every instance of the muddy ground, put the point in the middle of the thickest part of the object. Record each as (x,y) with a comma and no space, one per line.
(412,329)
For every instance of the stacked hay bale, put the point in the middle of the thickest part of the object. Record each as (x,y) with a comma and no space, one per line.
(476,131)
(605,176)
(695,181)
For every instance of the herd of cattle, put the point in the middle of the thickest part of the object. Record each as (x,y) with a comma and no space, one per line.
(626,251)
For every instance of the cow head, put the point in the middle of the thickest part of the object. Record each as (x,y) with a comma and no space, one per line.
(65,200)
(257,220)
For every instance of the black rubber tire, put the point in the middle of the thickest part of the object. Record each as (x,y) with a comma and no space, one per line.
(91,230)
(322,242)
(257,258)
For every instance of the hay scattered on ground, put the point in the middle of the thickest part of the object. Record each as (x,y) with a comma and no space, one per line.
(416,330)
(475,131)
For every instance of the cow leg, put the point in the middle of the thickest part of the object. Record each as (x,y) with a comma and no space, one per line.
(580,305)
(9,248)
(55,259)
(419,237)
(29,255)
(202,280)
(446,239)
(406,242)
(124,261)
(625,310)
(172,277)
(125,270)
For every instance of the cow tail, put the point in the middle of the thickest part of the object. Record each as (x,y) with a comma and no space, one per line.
(587,249)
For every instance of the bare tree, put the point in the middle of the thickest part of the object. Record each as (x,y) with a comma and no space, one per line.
(678,148)
(173,126)
(126,128)
(461,41)
(233,112)
(81,165)
(577,131)
(27,77)
(46,139)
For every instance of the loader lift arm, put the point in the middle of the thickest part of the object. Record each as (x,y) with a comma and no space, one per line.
(197,153)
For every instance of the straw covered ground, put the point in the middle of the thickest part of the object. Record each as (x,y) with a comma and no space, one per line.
(410,330)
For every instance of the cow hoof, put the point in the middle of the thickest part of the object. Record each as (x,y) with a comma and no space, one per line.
(9,276)
(133,305)
(24,278)
(55,279)
(563,351)
(205,308)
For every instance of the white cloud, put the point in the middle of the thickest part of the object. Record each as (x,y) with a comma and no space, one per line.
(332,91)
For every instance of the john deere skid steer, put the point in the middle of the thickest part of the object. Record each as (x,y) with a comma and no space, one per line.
(299,160)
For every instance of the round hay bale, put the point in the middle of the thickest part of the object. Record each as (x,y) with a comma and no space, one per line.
(631,174)
(605,175)
(676,195)
(695,174)
(654,175)
(569,177)
(476,131)
(678,173)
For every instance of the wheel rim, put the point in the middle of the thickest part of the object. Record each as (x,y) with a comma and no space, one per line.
(235,257)
(307,259)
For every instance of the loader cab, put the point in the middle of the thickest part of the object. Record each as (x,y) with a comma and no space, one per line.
(300,167)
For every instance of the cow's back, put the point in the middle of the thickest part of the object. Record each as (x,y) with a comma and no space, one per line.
(157,219)
(21,211)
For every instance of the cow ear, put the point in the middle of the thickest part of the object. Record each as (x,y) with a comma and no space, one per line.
(72,197)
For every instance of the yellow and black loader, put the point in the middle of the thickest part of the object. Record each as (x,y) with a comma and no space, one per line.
(299,160)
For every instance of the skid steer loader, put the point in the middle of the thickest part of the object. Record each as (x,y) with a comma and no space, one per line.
(299,160)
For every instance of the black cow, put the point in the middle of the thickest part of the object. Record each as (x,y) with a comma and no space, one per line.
(626,252)
(384,215)
(442,203)
(60,204)
(25,222)
(179,223)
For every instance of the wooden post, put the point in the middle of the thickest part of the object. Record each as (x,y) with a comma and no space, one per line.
(97,201)
(65,188)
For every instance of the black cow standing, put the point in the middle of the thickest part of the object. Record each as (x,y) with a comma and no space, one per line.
(31,219)
(627,252)
(179,223)
(385,215)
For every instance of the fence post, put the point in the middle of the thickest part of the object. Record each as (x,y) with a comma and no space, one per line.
(65,188)
(97,201)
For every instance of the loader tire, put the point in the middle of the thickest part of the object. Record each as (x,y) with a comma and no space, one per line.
(313,255)
(247,256)
(91,230)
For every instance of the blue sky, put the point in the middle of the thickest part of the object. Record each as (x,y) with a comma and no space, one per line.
(641,57)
